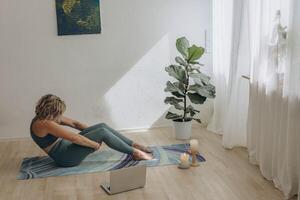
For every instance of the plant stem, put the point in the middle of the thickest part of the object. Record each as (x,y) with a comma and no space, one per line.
(184,107)
(185,93)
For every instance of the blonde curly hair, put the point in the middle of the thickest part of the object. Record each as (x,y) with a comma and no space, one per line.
(49,107)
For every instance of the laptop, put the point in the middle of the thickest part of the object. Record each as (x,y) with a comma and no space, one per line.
(126,179)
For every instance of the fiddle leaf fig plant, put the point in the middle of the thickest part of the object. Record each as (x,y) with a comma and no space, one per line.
(190,83)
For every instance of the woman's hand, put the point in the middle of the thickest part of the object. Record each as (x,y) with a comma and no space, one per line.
(58,131)
(97,147)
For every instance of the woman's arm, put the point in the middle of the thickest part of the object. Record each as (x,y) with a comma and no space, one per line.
(58,131)
(72,123)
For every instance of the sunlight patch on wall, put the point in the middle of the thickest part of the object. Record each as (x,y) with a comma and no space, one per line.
(137,99)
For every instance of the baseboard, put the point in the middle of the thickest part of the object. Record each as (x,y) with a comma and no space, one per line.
(144,129)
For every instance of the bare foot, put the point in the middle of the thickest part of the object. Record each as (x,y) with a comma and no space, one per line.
(142,148)
(140,155)
(190,151)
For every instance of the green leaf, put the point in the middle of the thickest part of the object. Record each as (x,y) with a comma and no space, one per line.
(190,109)
(178,107)
(192,113)
(196,63)
(177,94)
(171,115)
(194,53)
(200,78)
(196,69)
(182,45)
(196,98)
(180,61)
(177,72)
(180,86)
(175,102)
(205,90)
(173,88)
(193,69)
(172,100)
(197,120)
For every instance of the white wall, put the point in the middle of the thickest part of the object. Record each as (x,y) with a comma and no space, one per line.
(117,77)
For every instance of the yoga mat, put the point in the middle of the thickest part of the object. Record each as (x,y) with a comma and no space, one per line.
(101,161)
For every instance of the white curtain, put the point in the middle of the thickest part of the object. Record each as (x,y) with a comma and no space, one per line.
(274,104)
(230,62)
(247,40)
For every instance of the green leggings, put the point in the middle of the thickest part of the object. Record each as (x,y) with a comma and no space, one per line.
(67,154)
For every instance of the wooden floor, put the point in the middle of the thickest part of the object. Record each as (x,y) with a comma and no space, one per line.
(226,175)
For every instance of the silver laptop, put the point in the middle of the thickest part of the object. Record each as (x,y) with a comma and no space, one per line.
(125,179)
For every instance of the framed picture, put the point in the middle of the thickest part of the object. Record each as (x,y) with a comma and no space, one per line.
(76,17)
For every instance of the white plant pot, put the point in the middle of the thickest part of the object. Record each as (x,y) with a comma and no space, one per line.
(182,130)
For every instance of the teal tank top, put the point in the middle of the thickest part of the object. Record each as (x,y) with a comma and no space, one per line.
(42,142)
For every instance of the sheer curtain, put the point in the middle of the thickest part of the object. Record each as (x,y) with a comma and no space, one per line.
(247,40)
(230,62)
(274,106)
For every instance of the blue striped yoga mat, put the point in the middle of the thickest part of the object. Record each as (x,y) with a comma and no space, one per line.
(101,161)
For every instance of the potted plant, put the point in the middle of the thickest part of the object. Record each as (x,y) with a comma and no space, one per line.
(191,86)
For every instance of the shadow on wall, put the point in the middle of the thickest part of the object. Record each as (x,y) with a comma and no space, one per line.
(136,100)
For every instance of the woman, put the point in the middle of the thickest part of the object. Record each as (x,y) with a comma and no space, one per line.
(67,148)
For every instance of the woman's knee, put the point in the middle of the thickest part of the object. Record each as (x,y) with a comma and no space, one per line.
(98,133)
(103,130)
(100,125)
